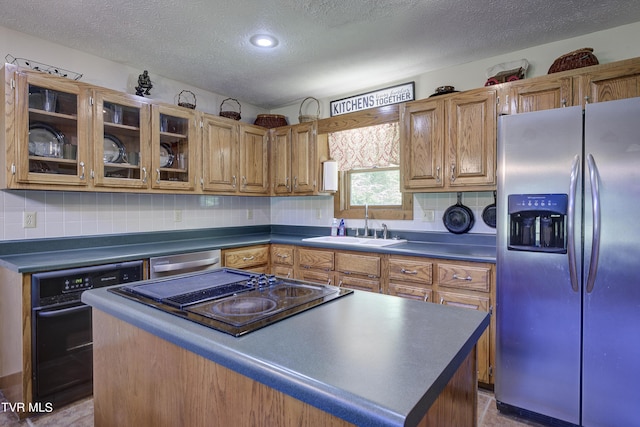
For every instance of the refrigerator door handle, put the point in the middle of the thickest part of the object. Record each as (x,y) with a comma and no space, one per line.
(596,212)
(571,209)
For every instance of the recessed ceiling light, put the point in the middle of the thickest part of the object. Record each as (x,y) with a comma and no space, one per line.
(263,40)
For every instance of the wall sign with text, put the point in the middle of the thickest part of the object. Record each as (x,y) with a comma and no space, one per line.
(378,98)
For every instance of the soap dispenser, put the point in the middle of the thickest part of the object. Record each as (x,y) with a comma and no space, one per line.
(334,227)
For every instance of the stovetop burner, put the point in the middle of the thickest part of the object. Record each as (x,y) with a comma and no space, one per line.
(230,300)
(243,306)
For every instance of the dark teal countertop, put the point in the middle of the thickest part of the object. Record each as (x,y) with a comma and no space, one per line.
(370,359)
(30,256)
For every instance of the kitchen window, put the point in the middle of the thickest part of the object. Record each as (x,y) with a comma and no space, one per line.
(369,173)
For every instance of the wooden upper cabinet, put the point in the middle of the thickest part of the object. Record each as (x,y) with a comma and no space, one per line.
(294,159)
(254,160)
(219,154)
(524,96)
(43,114)
(175,142)
(121,121)
(449,142)
(471,139)
(234,157)
(422,133)
(281,160)
(304,163)
(609,82)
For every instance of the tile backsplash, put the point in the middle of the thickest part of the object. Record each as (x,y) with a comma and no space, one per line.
(67,214)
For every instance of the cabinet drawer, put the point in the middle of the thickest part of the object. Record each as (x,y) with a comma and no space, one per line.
(407,270)
(411,292)
(282,271)
(312,258)
(464,277)
(473,302)
(282,255)
(358,264)
(316,276)
(246,257)
(355,282)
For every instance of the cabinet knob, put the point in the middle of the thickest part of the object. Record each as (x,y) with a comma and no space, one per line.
(468,278)
(453,172)
(144,175)
(82,171)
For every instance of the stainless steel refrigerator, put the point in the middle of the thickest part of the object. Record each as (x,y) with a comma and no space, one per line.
(568,265)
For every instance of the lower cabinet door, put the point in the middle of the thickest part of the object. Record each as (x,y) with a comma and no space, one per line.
(473,302)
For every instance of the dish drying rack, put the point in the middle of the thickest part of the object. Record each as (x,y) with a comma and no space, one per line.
(39,66)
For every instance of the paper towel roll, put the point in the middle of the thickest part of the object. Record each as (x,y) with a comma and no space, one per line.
(330,175)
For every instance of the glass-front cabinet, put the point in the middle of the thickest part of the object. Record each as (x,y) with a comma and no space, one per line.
(121,132)
(51,132)
(174,147)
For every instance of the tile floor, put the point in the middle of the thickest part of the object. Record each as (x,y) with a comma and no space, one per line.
(80,414)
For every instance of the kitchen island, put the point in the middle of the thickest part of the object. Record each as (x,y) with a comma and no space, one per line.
(364,359)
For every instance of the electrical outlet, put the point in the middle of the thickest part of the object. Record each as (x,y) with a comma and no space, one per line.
(177,215)
(429,215)
(318,213)
(249,213)
(29,220)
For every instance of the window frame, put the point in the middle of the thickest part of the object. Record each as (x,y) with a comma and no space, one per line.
(344,209)
(370,117)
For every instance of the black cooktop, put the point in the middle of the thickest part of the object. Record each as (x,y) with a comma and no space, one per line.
(230,300)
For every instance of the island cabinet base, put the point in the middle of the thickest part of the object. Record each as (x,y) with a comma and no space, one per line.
(143,380)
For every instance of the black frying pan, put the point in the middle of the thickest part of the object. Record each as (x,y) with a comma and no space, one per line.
(458,218)
(489,213)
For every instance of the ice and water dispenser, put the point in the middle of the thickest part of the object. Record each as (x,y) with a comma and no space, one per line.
(537,222)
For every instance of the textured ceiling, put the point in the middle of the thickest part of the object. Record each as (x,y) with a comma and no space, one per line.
(327,47)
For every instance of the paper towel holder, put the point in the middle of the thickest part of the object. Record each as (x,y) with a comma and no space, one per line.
(330,175)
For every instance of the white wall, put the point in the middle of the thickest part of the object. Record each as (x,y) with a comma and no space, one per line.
(109,74)
(65,214)
(609,46)
(74,214)
(318,211)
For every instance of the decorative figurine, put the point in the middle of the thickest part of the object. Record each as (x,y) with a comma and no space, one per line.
(144,84)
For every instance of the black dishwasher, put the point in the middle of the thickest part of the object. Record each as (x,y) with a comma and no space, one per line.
(62,341)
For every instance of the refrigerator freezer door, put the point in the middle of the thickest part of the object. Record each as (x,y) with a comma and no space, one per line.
(538,311)
(611,355)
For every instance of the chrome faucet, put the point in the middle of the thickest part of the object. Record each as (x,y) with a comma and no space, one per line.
(385,232)
(366,220)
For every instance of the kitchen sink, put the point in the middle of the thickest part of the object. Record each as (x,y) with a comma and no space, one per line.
(354,241)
